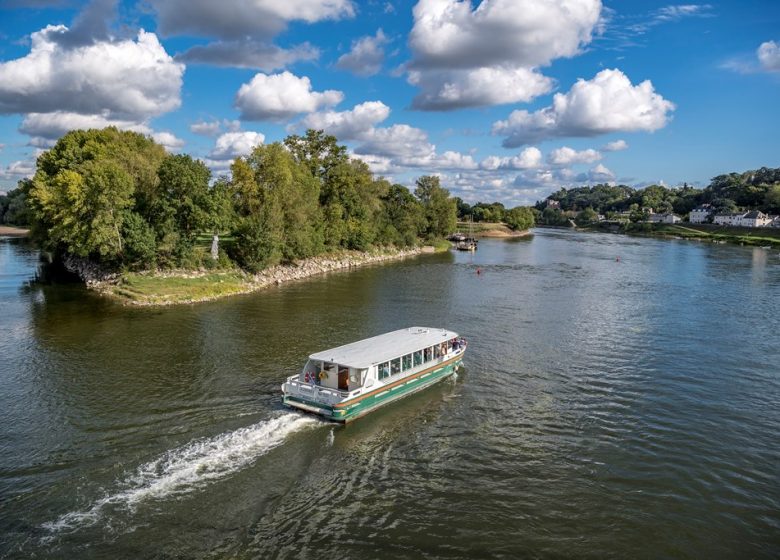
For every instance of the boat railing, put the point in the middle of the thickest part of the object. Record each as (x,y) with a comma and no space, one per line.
(304,388)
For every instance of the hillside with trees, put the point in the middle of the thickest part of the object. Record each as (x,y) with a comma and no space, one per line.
(751,190)
(120,200)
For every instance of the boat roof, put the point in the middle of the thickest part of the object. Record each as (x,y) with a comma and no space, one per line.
(378,349)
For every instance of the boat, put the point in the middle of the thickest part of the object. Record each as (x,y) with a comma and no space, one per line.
(467,242)
(347,382)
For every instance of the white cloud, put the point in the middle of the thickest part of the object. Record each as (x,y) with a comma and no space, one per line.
(213,128)
(366,56)
(570,156)
(127,79)
(248,53)
(281,96)
(356,124)
(234,19)
(769,56)
(607,103)
(679,11)
(599,174)
(453,89)
(529,158)
(18,170)
(168,140)
(616,146)
(488,55)
(529,33)
(50,126)
(397,141)
(231,145)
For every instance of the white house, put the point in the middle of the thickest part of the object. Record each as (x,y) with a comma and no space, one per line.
(756,218)
(664,218)
(775,222)
(700,214)
(728,218)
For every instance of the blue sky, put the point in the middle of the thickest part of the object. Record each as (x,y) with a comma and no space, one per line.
(507,100)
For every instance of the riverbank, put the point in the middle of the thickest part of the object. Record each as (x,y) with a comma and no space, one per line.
(491,229)
(182,286)
(761,237)
(13,231)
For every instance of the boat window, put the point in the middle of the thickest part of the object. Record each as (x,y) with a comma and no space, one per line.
(395,366)
(407,362)
(437,351)
(428,352)
(383,370)
(418,357)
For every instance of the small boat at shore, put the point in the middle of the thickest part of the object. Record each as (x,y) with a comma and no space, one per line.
(347,382)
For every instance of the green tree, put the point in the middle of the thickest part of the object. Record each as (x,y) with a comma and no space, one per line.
(519,218)
(404,217)
(587,216)
(440,210)
(772,200)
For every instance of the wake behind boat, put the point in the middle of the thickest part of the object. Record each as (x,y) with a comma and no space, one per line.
(349,381)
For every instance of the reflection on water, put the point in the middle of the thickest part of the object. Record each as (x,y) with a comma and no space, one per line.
(620,394)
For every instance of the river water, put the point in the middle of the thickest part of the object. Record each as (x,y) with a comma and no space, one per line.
(620,398)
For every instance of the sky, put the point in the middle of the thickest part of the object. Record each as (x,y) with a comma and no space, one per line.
(505,100)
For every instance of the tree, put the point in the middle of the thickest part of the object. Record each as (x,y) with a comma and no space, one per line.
(519,218)
(440,210)
(772,200)
(403,217)
(587,216)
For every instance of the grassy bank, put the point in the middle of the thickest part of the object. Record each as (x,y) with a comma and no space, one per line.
(176,287)
(704,232)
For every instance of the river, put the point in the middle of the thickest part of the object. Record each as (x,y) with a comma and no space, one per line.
(620,398)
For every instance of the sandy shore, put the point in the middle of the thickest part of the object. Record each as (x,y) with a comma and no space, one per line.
(11,231)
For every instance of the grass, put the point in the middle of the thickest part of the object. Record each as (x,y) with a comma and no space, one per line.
(159,290)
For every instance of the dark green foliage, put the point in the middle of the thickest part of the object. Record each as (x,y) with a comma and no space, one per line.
(726,193)
(120,200)
(140,247)
(14,209)
(586,217)
(519,218)
(439,209)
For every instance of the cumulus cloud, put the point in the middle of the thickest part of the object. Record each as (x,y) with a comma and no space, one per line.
(213,128)
(126,79)
(616,146)
(769,56)
(50,126)
(231,145)
(529,158)
(281,96)
(366,56)
(18,170)
(570,156)
(248,53)
(529,33)
(458,49)
(355,124)
(599,174)
(443,90)
(168,140)
(235,19)
(607,103)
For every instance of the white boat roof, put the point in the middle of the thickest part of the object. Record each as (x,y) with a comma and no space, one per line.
(385,347)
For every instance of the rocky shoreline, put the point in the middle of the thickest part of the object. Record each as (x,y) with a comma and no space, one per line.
(226,283)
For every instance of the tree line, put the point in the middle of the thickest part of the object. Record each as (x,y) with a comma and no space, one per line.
(517,218)
(751,190)
(119,199)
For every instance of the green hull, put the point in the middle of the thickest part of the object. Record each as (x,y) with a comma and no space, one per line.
(349,411)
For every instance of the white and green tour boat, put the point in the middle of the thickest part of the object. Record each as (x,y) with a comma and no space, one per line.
(349,381)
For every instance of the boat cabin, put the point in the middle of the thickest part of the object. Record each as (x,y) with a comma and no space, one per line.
(380,359)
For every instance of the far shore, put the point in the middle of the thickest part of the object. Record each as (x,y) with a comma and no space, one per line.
(13,231)
(163,288)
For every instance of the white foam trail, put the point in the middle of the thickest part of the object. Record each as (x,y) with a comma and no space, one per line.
(190,467)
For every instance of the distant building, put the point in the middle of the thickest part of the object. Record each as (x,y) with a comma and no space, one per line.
(553,203)
(775,222)
(700,214)
(667,218)
(756,218)
(728,218)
